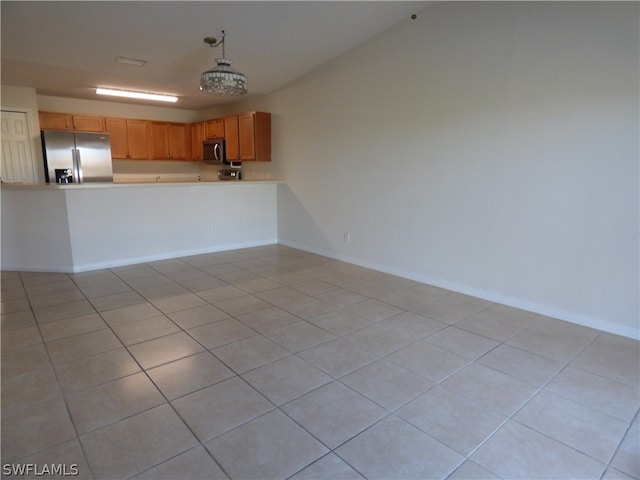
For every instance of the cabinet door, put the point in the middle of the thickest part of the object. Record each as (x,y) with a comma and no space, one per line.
(215,128)
(85,123)
(254,133)
(177,135)
(137,139)
(246,136)
(55,121)
(128,138)
(231,138)
(117,130)
(159,141)
(198,135)
(262,136)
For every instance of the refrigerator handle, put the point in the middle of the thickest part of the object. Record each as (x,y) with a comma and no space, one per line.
(74,166)
(77,166)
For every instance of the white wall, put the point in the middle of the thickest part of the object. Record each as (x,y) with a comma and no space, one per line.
(136,224)
(23,99)
(35,230)
(487,147)
(106,108)
(86,227)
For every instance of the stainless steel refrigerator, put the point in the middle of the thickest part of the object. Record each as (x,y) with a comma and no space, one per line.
(75,157)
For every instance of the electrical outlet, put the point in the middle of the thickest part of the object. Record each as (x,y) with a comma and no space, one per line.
(347,237)
(210,228)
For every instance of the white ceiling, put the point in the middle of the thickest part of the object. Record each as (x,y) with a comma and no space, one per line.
(68,48)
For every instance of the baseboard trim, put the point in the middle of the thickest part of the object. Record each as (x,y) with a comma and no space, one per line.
(572,317)
(78,268)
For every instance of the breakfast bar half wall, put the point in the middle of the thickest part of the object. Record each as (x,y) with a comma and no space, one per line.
(75,228)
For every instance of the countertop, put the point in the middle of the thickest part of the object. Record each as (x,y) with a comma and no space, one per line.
(204,183)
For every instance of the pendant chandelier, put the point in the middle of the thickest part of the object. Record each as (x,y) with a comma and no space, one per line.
(222,79)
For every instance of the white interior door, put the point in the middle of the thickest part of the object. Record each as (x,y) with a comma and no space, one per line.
(17,163)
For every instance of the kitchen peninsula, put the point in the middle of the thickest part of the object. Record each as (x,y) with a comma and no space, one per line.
(74,228)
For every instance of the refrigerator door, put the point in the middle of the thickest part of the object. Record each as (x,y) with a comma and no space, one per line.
(93,157)
(59,156)
(76,157)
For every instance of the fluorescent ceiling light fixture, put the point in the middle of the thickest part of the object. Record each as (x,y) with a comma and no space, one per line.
(131,61)
(132,94)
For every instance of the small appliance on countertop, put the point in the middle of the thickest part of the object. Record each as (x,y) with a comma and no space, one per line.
(230,174)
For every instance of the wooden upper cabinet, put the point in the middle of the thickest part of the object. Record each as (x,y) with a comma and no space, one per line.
(254,137)
(178,146)
(67,121)
(232,139)
(138,139)
(168,141)
(85,123)
(128,138)
(248,137)
(55,121)
(215,128)
(262,136)
(198,135)
(159,141)
(117,130)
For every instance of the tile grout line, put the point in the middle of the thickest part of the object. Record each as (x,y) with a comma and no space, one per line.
(540,389)
(142,370)
(238,375)
(166,401)
(61,390)
(334,379)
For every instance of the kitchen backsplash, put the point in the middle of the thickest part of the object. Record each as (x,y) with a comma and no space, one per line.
(131,171)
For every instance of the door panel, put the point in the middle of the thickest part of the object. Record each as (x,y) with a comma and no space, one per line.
(18,162)
(59,152)
(94,154)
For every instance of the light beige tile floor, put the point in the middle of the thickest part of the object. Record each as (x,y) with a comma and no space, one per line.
(274,363)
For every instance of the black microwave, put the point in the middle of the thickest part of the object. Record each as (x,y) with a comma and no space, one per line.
(214,151)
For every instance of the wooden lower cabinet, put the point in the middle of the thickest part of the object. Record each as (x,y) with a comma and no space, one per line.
(128,138)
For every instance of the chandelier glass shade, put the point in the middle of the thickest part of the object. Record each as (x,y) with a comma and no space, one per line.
(222,79)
